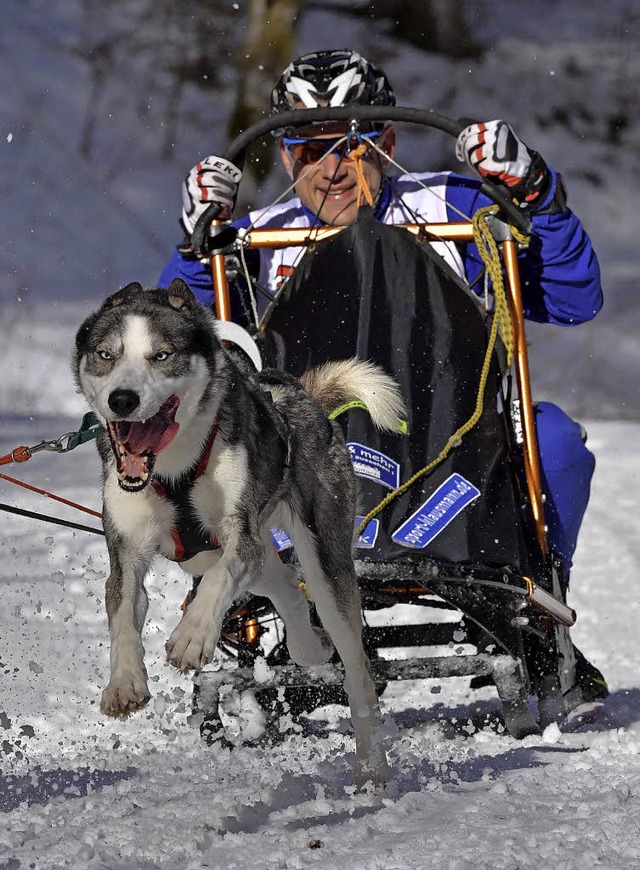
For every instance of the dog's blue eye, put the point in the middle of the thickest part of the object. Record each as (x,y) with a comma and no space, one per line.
(104,354)
(162,355)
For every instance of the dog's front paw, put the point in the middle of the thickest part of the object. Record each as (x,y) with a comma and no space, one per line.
(125,694)
(191,646)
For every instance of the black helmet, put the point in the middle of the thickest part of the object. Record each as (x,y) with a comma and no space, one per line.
(331,78)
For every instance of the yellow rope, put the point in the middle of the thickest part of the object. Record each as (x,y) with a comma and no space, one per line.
(488,249)
(501,320)
(364,191)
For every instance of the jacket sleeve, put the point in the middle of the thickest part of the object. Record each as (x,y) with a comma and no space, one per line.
(559,270)
(197,276)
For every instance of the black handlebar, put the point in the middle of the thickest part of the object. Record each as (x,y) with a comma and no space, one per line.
(236,151)
(301,117)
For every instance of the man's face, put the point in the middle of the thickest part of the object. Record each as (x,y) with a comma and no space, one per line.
(329,188)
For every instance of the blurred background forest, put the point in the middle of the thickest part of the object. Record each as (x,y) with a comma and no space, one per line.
(105,106)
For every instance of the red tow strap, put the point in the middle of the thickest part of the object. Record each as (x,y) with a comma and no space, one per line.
(51,495)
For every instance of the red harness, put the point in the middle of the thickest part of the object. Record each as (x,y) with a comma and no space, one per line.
(188,537)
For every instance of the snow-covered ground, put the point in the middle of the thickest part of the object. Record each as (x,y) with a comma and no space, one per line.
(78,790)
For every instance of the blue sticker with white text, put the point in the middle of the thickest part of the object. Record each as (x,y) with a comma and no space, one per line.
(281,540)
(449,499)
(373,465)
(367,539)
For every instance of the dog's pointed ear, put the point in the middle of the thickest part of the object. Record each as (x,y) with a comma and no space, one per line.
(179,295)
(118,298)
(83,333)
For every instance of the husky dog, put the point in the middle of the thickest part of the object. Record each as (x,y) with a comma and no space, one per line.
(201,459)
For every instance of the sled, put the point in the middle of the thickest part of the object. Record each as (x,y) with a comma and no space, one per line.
(458,562)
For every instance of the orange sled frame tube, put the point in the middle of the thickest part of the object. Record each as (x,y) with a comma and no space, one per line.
(456,232)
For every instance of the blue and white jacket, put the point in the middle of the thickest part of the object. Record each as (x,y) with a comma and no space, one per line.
(559,270)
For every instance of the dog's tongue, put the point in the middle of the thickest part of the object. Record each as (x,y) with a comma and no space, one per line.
(154,434)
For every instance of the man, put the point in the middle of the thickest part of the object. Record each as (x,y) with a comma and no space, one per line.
(559,270)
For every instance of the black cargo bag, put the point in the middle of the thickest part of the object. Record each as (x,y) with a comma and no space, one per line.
(376,292)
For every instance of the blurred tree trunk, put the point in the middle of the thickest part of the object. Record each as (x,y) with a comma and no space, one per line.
(267,50)
(97,51)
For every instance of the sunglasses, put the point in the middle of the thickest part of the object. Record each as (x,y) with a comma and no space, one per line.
(308,151)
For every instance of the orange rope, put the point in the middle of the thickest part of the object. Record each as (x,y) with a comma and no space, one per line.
(364,192)
(20,454)
(51,495)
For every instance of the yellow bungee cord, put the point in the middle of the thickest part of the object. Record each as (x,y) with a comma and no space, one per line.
(500,324)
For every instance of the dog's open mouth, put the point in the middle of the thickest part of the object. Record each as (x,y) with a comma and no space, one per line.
(136,445)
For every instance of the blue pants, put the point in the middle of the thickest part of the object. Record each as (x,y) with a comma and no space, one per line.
(567,469)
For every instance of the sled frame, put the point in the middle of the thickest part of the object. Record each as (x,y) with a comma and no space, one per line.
(458,232)
(511,609)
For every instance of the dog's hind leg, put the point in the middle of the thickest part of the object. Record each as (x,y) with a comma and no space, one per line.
(328,570)
(307,644)
(126,602)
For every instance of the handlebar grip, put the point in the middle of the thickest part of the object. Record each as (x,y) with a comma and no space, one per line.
(201,229)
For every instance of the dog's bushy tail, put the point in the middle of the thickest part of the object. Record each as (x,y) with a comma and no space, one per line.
(335,383)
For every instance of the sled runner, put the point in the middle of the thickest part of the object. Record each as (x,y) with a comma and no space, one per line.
(451,548)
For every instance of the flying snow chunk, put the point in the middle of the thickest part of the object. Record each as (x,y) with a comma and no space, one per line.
(551,733)
(261,671)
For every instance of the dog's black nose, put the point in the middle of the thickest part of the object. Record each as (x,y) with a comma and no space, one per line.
(123,402)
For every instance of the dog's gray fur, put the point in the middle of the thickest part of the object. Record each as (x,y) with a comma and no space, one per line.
(150,345)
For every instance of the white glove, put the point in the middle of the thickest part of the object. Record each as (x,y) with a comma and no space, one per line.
(493,149)
(213,180)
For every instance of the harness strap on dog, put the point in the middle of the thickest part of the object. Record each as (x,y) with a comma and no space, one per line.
(272,377)
(284,433)
(188,537)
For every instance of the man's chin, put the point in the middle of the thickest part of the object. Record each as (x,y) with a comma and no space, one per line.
(339,215)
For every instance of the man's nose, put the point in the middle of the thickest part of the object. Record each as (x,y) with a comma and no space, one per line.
(334,167)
